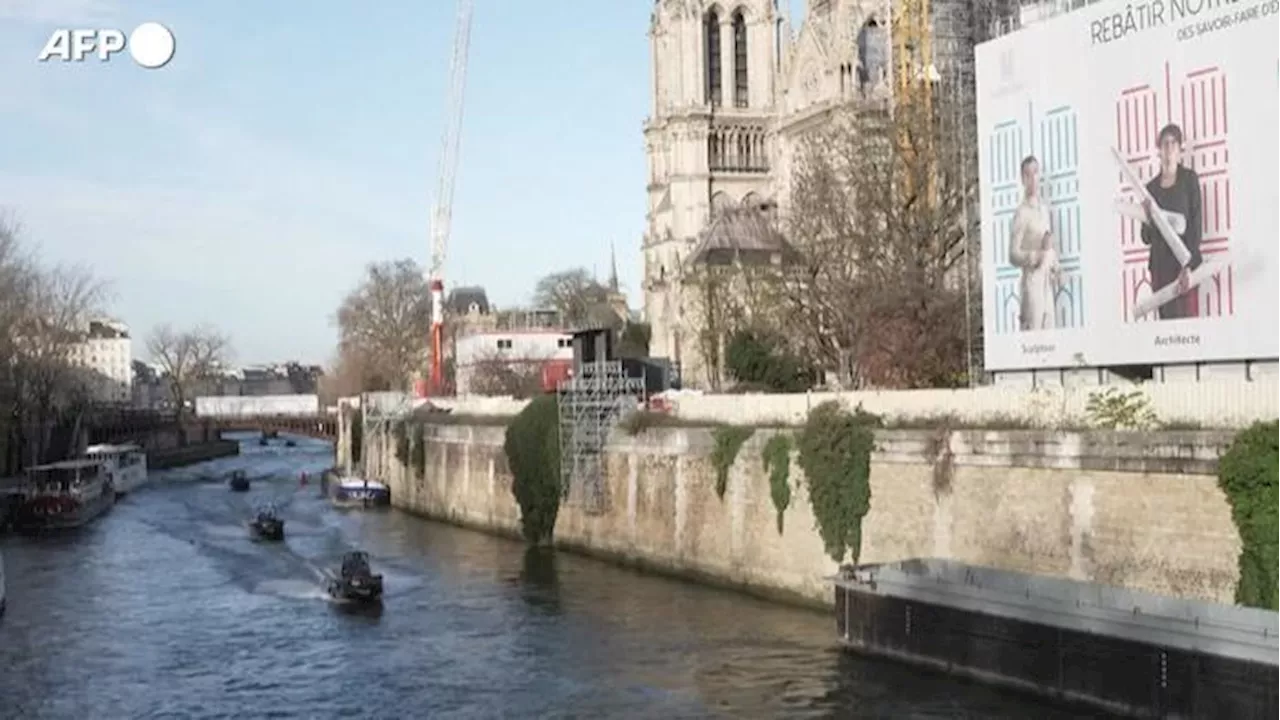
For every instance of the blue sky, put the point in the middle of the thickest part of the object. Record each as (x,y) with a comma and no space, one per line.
(288,144)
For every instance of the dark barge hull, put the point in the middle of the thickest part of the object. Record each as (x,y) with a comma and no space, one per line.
(1121,651)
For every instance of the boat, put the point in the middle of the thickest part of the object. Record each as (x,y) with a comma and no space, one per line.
(290,443)
(126,464)
(263,442)
(267,525)
(64,494)
(358,492)
(355,580)
(239,481)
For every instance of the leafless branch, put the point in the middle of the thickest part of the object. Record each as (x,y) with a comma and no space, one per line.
(386,321)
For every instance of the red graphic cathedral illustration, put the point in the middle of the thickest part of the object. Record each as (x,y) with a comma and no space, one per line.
(1197,101)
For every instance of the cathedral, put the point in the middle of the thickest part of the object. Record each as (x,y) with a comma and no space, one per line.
(733,88)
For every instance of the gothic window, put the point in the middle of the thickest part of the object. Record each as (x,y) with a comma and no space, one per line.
(739,60)
(711,33)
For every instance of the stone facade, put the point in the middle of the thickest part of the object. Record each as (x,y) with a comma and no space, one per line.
(1141,511)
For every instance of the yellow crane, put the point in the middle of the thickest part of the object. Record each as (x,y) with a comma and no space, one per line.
(914,77)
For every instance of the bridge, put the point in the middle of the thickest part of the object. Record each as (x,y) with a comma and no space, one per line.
(123,425)
(321,427)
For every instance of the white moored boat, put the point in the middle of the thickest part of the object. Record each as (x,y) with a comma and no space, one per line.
(126,465)
(357,492)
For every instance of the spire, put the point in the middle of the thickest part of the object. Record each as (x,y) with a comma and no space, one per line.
(613,269)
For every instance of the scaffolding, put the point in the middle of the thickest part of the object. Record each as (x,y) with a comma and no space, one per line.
(379,412)
(590,404)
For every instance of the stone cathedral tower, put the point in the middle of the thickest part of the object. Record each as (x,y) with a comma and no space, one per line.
(713,98)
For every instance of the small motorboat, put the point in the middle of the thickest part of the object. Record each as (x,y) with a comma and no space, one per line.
(239,481)
(290,443)
(262,442)
(355,581)
(267,525)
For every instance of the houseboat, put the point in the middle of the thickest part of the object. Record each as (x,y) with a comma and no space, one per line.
(357,492)
(126,465)
(65,494)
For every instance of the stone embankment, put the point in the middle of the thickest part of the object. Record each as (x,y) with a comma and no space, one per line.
(1137,510)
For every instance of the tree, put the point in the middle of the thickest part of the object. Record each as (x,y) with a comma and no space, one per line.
(878,216)
(385,322)
(496,375)
(187,358)
(572,293)
(60,303)
(43,315)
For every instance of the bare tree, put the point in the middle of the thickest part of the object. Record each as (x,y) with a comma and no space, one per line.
(878,218)
(44,314)
(494,374)
(187,358)
(572,293)
(385,322)
(348,375)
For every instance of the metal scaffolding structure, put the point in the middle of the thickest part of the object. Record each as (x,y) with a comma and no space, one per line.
(590,404)
(379,411)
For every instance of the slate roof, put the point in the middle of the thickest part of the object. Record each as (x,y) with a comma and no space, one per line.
(740,233)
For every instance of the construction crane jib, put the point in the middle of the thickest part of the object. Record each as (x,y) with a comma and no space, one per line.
(442,212)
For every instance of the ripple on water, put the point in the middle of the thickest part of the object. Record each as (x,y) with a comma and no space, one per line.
(166,608)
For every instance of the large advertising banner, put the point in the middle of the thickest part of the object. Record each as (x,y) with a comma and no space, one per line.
(1129,186)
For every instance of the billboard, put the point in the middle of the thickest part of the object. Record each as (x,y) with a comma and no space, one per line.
(1128,181)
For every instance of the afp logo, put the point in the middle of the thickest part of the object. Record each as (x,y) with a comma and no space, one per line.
(150,44)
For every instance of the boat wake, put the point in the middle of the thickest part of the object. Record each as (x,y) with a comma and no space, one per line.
(292,589)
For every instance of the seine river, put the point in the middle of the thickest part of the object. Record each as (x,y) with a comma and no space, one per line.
(164,608)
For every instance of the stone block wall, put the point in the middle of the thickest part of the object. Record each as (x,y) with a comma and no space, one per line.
(1136,510)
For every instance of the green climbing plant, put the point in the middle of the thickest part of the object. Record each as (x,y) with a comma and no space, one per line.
(532,446)
(400,429)
(728,442)
(418,447)
(1247,474)
(356,419)
(776,457)
(835,454)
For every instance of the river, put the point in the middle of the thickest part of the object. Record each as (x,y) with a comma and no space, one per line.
(165,609)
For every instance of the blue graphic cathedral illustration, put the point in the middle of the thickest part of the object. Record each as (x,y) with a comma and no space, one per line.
(1051,137)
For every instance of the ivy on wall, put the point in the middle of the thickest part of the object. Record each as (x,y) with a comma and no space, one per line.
(532,446)
(729,440)
(835,454)
(1247,474)
(776,457)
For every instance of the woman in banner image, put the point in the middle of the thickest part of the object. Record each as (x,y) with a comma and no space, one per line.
(1031,250)
(1176,190)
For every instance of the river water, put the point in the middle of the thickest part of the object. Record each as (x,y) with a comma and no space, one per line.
(164,608)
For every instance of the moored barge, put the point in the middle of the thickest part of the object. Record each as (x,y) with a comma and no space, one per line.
(1122,651)
(64,495)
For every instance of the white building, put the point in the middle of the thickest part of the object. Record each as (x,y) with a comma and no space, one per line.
(508,347)
(107,353)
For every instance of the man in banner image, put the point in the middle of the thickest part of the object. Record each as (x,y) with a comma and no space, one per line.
(1176,191)
(1032,251)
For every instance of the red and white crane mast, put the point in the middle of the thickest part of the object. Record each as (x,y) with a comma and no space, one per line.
(442,212)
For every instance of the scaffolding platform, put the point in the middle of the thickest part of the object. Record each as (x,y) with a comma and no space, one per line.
(591,403)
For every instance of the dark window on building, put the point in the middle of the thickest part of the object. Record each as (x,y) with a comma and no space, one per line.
(740,95)
(711,32)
